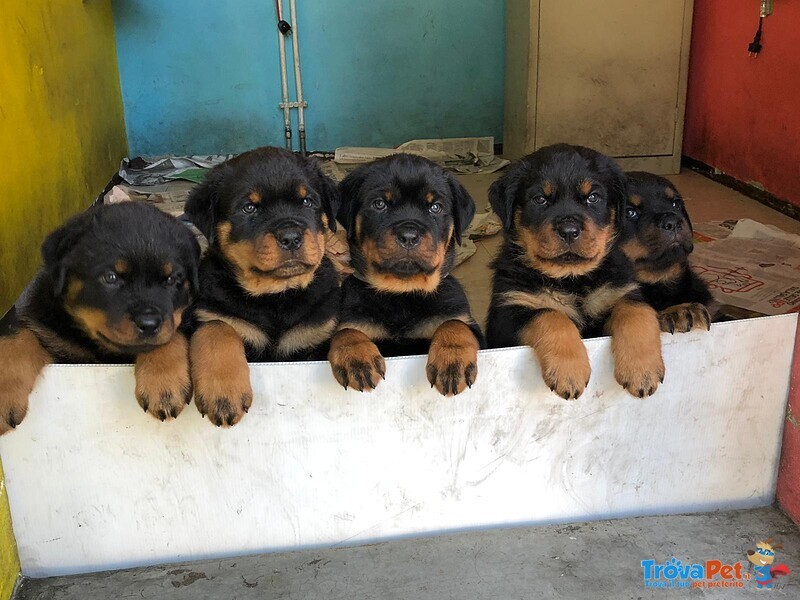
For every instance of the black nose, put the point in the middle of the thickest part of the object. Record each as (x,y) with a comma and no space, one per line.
(569,230)
(669,222)
(148,322)
(290,239)
(408,237)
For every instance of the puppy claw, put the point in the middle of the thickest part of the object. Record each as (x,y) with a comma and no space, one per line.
(356,361)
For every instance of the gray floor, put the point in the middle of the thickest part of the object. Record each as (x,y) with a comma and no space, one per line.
(596,560)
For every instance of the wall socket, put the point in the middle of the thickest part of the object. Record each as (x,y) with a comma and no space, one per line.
(766,8)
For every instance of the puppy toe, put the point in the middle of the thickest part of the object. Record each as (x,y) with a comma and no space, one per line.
(356,361)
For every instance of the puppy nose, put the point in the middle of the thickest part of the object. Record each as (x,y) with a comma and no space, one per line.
(569,230)
(290,239)
(408,237)
(669,222)
(148,322)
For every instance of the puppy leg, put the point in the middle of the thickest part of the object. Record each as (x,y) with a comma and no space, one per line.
(557,343)
(22,358)
(636,344)
(452,358)
(163,385)
(220,374)
(684,317)
(356,360)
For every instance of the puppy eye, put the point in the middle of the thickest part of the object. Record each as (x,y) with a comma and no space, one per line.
(249,208)
(435,208)
(540,200)
(676,203)
(110,278)
(379,204)
(173,280)
(593,198)
(631,212)
(308,202)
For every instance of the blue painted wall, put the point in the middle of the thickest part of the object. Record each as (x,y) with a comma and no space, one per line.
(203,76)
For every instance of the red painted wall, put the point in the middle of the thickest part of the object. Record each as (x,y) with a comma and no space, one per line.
(743,113)
(789,471)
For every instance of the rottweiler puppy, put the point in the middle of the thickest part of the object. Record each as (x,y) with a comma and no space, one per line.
(268,292)
(657,238)
(404,215)
(115,282)
(560,273)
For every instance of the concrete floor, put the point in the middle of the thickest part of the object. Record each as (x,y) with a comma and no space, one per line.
(597,560)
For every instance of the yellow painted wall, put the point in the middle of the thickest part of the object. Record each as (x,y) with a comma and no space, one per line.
(62,132)
(61,138)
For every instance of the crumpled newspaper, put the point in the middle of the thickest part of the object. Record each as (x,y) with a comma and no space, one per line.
(161,169)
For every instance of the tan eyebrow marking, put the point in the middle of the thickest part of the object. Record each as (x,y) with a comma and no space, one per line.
(255,197)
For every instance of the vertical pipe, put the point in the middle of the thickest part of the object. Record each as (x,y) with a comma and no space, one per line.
(301,123)
(287,114)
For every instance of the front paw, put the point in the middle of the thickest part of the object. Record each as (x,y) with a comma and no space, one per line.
(684,317)
(163,384)
(452,358)
(567,374)
(224,397)
(641,373)
(356,361)
(14,392)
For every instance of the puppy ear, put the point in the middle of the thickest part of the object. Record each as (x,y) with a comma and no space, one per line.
(329,193)
(58,244)
(191,258)
(202,206)
(501,199)
(463,206)
(349,189)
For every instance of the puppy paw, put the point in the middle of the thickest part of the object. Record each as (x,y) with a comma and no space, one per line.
(452,358)
(684,317)
(641,375)
(14,393)
(356,361)
(562,354)
(220,374)
(163,383)
(636,344)
(567,374)
(23,359)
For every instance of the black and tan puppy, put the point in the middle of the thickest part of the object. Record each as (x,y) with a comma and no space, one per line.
(115,283)
(657,238)
(404,215)
(267,290)
(560,274)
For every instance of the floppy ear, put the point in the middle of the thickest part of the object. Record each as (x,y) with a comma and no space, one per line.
(191,258)
(202,207)
(57,245)
(463,206)
(501,199)
(329,193)
(349,189)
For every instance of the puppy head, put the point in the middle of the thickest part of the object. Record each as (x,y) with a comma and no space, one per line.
(266,211)
(657,231)
(404,214)
(562,206)
(124,273)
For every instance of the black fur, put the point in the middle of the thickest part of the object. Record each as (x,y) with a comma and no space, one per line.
(275,175)
(521,199)
(661,224)
(408,180)
(84,250)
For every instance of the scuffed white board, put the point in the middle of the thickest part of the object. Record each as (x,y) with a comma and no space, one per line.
(94,483)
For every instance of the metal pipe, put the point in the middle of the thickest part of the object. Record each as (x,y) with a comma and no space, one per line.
(287,113)
(298,81)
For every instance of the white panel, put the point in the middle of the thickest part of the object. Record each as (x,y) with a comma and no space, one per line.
(94,483)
